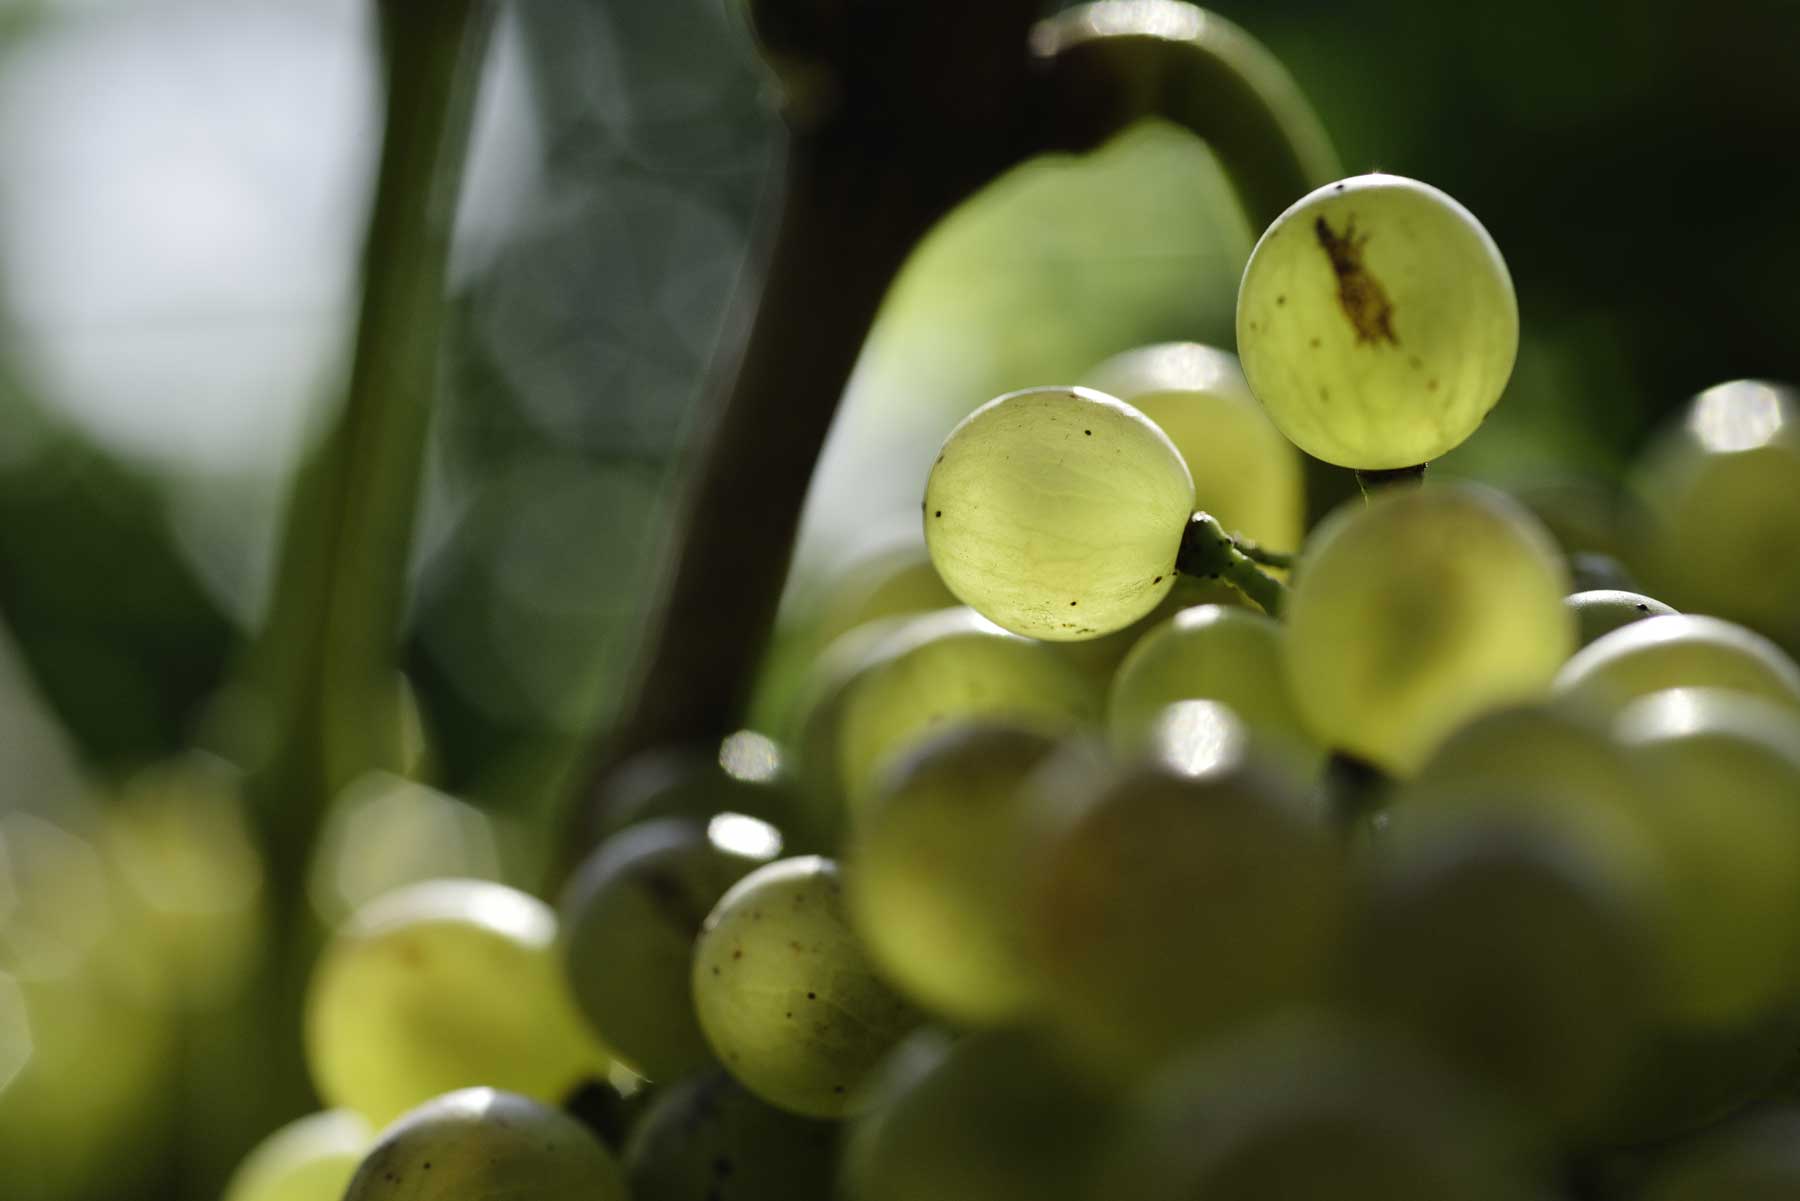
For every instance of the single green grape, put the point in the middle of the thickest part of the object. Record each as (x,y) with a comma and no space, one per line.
(786,994)
(943,667)
(706,1138)
(1210,652)
(1677,651)
(1002,1115)
(439,986)
(1303,1110)
(1518,952)
(310,1159)
(1603,610)
(931,885)
(1727,767)
(1245,472)
(1057,513)
(629,919)
(1414,613)
(478,1144)
(1377,323)
(1163,909)
(1719,497)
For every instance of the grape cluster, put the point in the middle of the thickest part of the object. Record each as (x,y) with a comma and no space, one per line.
(1438,879)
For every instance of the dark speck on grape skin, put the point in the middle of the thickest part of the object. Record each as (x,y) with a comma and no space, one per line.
(812,996)
(1643,608)
(1089,433)
(1315,344)
(939,513)
(1157,580)
(1280,300)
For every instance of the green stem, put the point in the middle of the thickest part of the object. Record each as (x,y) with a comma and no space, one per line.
(1208,552)
(325,668)
(1257,553)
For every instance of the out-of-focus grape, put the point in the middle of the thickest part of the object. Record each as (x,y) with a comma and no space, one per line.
(1056,513)
(480,1143)
(1602,610)
(1677,651)
(746,773)
(706,1138)
(932,877)
(629,919)
(1246,473)
(444,985)
(1417,611)
(310,1159)
(786,994)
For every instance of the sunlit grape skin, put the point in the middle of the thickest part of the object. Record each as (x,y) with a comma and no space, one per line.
(786,994)
(309,1159)
(1676,651)
(1057,513)
(478,1143)
(1377,323)
(1415,612)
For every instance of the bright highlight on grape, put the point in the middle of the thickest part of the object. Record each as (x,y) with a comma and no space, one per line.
(1377,323)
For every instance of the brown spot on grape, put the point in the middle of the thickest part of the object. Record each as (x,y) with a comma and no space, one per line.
(939,513)
(1359,293)
(1280,300)
(1315,344)
(1071,604)
(812,996)
(1431,385)
(1157,580)
(738,954)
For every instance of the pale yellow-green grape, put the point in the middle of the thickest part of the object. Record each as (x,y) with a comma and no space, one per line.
(1309,1112)
(444,985)
(944,667)
(1517,952)
(1720,499)
(1164,909)
(706,1138)
(787,995)
(478,1144)
(1245,472)
(179,838)
(309,1159)
(931,877)
(629,920)
(1602,610)
(1418,611)
(1056,512)
(999,1115)
(1377,323)
(1727,768)
(1213,653)
(1677,651)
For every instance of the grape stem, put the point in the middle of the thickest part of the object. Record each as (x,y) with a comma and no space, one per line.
(1257,553)
(1390,477)
(1208,552)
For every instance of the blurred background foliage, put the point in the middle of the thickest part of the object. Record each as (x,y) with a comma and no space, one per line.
(183,185)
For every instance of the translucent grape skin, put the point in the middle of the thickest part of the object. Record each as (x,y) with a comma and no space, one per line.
(1603,610)
(932,874)
(1676,651)
(786,994)
(478,1144)
(439,986)
(1411,615)
(1245,472)
(706,1138)
(309,1159)
(629,919)
(1377,323)
(1057,513)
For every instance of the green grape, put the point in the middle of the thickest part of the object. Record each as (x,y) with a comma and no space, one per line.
(478,1144)
(1728,803)
(786,994)
(1518,952)
(998,1115)
(1603,610)
(1245,472)
(892,581)
(1377,323)
(930,888)
(745,773)
(707,1139)
(1415,613)
(1753,1158)
(1677,651)
(1720,501)
(1308,1112)
(940,668)
(1057,512)
(629,920)
(310,1159)
(439,986)
(1210,653)
(1163,909)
